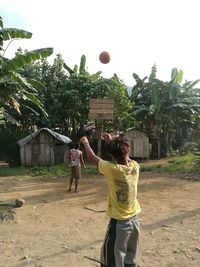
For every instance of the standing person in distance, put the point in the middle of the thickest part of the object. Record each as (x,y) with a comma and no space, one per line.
(76,162)
(120,246)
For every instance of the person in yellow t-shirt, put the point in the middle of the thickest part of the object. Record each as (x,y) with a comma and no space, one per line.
(120,246)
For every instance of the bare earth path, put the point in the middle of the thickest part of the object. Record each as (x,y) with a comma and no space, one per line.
(56,228)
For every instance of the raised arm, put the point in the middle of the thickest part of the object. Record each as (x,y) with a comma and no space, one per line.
(108,137)
(88,150)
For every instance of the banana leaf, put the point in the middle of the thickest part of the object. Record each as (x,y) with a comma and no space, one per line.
(27,58)
(31,97)
(68,69)
(1,22)
(13,33)
(82,64)
(36,84)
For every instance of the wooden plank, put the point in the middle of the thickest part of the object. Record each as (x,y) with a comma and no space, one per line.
(100,116)
(101,111)
(138,148)
(22,155)
(102,105)
(42,157)
(101,101)
(28,155)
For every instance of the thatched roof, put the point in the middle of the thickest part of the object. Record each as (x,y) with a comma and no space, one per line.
(62,138)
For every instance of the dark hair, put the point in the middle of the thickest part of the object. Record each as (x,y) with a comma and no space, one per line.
(119,149)
(77,145)
(71,145)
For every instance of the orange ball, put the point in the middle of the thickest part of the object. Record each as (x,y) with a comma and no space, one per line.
(104,57)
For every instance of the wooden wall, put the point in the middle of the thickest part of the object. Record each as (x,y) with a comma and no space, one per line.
(139,144)
(44,149)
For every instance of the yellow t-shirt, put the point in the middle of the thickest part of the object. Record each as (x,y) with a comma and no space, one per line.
(122,189)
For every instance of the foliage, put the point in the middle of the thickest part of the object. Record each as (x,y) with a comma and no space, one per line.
(9,149)
(66,96)
(166,110)
(123,110)
(178,164)
(159,106)
(13,86)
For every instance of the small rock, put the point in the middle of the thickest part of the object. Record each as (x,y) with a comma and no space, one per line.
(19,202)
(66,247)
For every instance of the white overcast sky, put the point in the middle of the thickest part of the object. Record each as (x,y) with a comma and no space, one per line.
(136,33)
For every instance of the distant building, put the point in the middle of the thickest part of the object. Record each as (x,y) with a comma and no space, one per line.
(44,147)
(139,141)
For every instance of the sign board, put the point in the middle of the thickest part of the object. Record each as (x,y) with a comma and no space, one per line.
(101,109)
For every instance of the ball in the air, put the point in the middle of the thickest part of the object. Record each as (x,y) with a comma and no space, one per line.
(104,57)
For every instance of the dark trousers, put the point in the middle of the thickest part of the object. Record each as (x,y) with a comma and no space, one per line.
(120,245)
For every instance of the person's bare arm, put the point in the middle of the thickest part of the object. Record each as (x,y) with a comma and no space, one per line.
(88,150)
(108,137)
(68,156)
(82,160)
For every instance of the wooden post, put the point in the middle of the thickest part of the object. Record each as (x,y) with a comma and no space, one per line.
(99,130)
(100,110)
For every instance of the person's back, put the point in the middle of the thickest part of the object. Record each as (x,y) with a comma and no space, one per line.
(75,157)
(76,161)
(121,240)
(122,188)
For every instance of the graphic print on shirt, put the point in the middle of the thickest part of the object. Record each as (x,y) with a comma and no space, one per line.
(126,191)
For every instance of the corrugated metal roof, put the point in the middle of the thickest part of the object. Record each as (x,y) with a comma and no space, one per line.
(62,138)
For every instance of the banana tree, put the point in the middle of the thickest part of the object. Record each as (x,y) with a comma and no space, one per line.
(162,107)
(13,86)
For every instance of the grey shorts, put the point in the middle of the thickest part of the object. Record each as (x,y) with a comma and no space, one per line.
(76,172)
(120,247)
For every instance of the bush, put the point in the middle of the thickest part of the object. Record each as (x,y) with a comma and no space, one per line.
(9,149)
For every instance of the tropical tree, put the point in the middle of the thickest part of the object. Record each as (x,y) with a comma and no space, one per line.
(80,87)
(13,86)
(123,108)
(165,108)
(67,93)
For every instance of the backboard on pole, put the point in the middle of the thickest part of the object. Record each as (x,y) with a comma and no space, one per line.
(102,109)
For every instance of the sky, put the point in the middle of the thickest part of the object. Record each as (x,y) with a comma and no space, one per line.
(136,33)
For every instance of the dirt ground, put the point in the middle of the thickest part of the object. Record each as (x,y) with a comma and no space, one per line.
(57,228)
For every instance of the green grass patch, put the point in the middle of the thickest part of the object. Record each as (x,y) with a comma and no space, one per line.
(178,164)
(43,171)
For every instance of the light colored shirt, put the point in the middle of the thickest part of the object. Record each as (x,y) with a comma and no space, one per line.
(75,155)
(122,200)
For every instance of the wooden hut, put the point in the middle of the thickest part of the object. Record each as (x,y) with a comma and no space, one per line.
(139,142)
(44,147)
